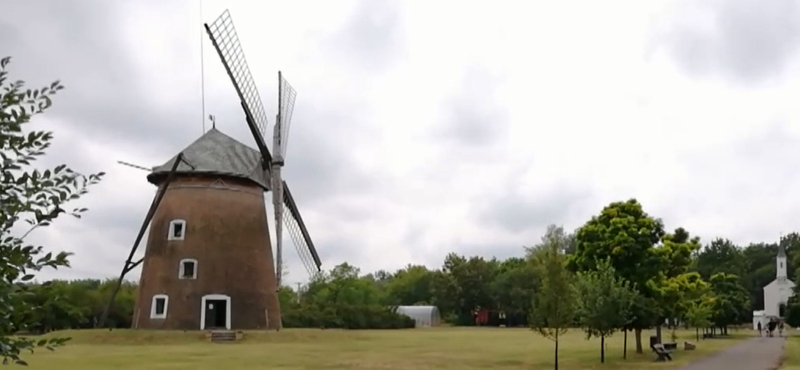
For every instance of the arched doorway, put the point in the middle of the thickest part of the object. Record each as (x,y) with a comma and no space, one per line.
(782,310)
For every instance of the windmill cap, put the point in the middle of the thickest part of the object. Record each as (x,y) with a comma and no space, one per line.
(216,154)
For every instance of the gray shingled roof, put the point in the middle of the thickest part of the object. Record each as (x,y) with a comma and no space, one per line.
(215,153)
(781,250)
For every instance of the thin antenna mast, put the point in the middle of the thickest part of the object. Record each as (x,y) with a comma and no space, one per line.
(202,70)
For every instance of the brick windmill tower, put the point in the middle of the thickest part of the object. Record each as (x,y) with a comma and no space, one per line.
(208,262)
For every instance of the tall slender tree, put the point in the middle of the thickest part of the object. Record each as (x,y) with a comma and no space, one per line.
(604,302)
(553,306)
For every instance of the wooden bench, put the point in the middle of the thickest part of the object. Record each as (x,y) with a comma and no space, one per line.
(663,353)
(670,346)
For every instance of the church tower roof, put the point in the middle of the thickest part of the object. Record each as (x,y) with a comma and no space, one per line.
(781,250)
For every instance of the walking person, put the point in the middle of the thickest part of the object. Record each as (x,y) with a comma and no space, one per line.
(780,329)
(759,328)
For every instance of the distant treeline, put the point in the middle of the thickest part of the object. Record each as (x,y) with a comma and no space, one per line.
(345,298)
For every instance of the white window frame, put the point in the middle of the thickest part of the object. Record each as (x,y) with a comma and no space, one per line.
(170,234)
(181,269)
(153,314)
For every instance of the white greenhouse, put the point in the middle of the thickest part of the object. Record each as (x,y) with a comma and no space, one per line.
(424,316)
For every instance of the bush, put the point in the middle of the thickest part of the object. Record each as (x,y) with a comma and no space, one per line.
(346,317)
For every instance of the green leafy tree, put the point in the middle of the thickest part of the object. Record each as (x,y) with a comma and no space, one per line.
(37,197)
(410,286)
(626,235)
(469,285)
(677,292)
(554,304)
(731,300)
(604,302)
(672,281)
(698,314)
(569,241)
(514,286)
(793,311)
(343,299)
(721,255)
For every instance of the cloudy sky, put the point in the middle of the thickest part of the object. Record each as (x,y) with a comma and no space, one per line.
(428,127)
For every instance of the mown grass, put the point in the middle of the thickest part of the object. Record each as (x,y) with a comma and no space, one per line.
(791,360)
(436,348)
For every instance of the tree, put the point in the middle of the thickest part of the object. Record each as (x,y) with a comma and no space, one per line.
(721,255)
(678,292)
(470,285)
(604,302)
(554,304)
(568,243)
(625,234)
(698,314)
(410,286)
(731,300)
(669,285)
(514,286)
(343,299)
(793,310)
(36,197)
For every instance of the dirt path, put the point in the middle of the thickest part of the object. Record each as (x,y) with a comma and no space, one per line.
(758,353)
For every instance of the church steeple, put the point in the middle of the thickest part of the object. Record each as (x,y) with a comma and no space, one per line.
(781,262)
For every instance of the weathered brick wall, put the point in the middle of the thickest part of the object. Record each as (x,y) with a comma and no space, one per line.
(227,233)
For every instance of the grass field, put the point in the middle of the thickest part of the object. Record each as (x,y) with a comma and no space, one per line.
(436,348)
(792,353)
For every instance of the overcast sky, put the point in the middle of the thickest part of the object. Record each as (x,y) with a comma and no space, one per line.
(424,127)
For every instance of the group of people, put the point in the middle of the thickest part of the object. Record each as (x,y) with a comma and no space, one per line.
(771,325)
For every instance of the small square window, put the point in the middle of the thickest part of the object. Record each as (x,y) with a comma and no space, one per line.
(158,310)
(188,269)
(177,230)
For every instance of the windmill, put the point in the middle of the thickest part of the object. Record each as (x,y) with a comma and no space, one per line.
(208,262)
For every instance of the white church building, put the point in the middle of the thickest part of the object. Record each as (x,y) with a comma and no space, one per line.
(776,293)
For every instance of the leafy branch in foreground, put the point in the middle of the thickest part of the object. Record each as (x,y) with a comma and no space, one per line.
(38,198)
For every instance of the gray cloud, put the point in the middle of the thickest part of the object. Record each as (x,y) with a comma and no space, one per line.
(108,102)
(320,163)
(372,37)
(745,40)
(78,43)
(475,119)
(499,250)
(742,190)
(140,99)
(515,211)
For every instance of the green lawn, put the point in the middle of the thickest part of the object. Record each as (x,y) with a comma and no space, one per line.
(791,352)
(438,348)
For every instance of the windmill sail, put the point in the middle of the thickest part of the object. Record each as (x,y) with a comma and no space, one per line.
(223,35)
(299,234)
(287,96)
(226,42)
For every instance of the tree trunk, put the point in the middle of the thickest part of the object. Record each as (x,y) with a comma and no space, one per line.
(638,333)
(658,332)
(556,354)
(602,349)
(697,330)
(625,345)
